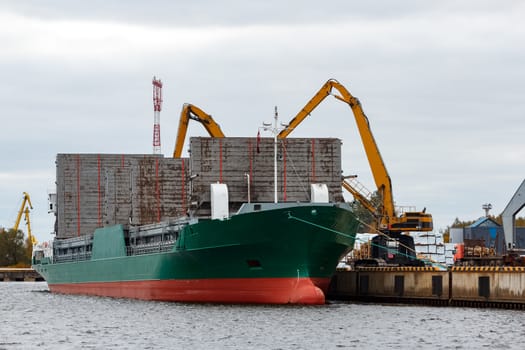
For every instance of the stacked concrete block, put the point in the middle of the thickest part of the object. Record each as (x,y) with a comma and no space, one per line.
(430,245)
(237,160)
(95,190)
(449,253)
(160,189)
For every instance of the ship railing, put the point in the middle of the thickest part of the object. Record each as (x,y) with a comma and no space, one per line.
(150,248)
(72,257)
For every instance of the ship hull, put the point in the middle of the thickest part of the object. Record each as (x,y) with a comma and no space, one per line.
(229,290)
(280,256)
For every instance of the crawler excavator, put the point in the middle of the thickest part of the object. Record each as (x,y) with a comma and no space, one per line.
(391,245)
(192,112)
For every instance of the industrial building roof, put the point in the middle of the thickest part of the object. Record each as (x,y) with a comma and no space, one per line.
(485,222)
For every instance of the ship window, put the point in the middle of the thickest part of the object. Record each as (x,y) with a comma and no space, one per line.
(256,207)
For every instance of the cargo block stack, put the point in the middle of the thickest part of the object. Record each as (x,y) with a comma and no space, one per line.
(97,190)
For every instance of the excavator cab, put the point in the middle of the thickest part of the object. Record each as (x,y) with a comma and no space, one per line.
(413,221)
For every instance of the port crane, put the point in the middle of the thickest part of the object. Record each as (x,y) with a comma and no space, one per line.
(24,210)
(192,112)
(508,215)
(388,220)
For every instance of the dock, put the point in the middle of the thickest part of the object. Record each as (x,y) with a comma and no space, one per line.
(495,287)
(12,274)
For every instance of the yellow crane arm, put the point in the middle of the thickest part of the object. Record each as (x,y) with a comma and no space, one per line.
(188,112)
(24,210)
(362,199)
(29,234)
(25,201)
(377,166)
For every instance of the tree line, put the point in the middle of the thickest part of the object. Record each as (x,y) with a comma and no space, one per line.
(15,249)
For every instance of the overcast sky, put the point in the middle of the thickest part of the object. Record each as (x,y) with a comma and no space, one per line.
(441,82)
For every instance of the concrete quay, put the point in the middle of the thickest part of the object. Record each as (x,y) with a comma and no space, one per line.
(498,287)
(8,274)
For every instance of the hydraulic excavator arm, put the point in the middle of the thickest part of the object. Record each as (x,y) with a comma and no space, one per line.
(360,197)
(381,177)
(188,112)
(389,221)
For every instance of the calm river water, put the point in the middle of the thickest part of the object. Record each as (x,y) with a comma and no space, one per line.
(31,317)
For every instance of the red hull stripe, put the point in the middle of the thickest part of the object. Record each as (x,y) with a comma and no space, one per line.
(233,290)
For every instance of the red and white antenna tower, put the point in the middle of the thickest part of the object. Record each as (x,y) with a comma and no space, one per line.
(157,106)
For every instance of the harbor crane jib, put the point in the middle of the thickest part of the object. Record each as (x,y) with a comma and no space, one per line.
(24,211)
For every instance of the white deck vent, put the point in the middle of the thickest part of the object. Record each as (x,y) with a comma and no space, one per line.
(319,193)
(219,201)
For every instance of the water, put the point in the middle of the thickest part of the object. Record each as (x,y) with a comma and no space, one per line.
(32,317)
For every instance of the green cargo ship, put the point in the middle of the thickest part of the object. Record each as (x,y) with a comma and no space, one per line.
(207,228)
(276,253)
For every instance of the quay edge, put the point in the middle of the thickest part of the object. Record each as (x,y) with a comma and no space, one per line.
(24,274)
(476,287)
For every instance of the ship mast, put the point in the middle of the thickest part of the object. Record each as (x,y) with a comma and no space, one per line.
(275,131)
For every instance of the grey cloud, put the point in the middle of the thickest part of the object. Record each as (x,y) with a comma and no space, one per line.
(438,95)
(201,13)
